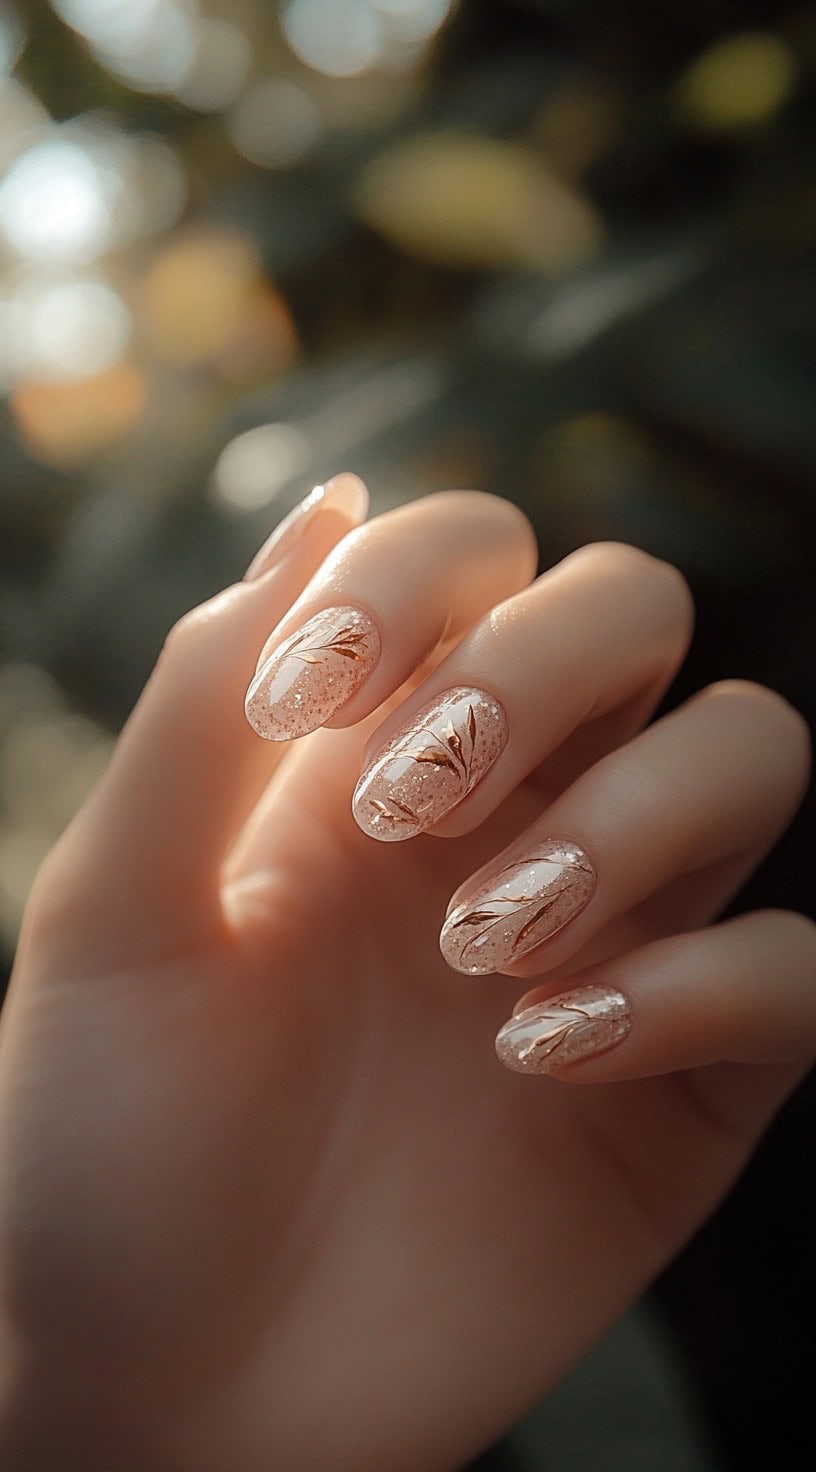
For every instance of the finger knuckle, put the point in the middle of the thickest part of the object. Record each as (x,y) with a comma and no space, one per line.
(793,928)
(52,897)
(180,634)
(507,519)
(759,704)
(189,631)
(618,561)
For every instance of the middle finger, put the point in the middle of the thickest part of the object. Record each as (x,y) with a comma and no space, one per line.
(603,630)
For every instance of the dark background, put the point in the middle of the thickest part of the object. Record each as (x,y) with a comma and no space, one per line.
(558,249)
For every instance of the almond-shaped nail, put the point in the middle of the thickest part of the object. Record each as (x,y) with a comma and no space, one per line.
(346,494)
(564,1029)
(525,903)
(307,679)
(429,766)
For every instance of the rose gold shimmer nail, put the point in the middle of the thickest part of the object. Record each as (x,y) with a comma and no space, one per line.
(525,903)
(564,1029)
(430,765)
(306,680)
(345,494)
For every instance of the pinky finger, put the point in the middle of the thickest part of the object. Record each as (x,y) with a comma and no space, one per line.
(741,992)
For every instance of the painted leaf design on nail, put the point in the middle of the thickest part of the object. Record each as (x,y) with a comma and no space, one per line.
(404,808)
(471,725)
(476,917)
(454,741)
(533,921)
(403,815)
(349,642)
(552,1041)
(449,750)
(436,758)
(486,919)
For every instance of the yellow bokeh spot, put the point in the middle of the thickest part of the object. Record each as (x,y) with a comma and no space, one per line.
(197,295)
(457,199)
(66,424)
(737,83)
(265,341)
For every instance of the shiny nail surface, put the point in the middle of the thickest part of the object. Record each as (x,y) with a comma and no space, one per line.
(306,680)
(430,765)
(345,494)
(525,903)
(564,1029)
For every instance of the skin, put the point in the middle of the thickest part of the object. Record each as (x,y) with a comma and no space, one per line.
(267,1198)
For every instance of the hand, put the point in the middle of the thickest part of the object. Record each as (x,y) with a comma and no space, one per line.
(267,1197)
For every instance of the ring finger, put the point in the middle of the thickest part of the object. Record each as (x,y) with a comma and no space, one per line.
(718,778)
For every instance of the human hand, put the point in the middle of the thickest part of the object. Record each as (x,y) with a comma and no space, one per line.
(267,1197)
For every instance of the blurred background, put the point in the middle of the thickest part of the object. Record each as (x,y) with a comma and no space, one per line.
(560,249)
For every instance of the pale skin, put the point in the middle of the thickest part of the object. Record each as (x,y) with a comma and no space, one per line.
(267,1197)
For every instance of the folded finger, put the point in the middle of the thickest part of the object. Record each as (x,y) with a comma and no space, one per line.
(186,769)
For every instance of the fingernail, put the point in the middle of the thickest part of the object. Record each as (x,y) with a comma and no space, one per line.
(346,494)
(306,680)
(430,765)
(525,903)
(564,1029)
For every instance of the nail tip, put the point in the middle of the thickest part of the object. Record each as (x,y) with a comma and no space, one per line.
(366,826)
(452,952)
(347,493)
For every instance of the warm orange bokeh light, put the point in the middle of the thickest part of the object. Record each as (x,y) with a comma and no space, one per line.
(65,424)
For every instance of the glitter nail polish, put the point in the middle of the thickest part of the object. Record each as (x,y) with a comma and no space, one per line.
(528,901)
(564,1029)
(429,766)
(312,674)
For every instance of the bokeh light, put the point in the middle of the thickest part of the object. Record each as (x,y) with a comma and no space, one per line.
(55,204)
(341,38)
(413,20)
(737,83)
(64,329)
(154,191)
(150,44)
(201,299)
(276,123)
(67,424)
(85,188)
(471,202)
(218,66)
(253,468)
(23,120)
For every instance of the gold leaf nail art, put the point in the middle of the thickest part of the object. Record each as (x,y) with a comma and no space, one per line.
(525,903)
(564,1029)
(310,675)
(431,765)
